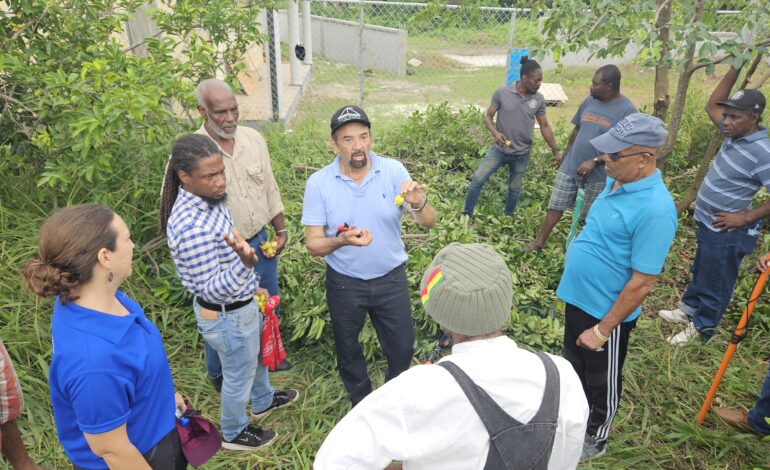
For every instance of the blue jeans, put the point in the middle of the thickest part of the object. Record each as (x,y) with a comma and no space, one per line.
(267,270)
(761,409)
(714,272)
(517,165)
(235,336)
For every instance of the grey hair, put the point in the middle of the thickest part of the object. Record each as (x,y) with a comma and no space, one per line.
(202,88)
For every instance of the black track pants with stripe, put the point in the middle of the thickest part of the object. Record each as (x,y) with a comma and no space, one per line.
(599,371)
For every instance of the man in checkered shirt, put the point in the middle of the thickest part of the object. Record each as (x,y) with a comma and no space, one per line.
(216,265)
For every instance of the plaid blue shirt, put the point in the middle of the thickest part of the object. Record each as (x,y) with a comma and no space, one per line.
(205,264)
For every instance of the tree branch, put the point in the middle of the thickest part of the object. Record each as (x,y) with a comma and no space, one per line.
(129,49)
(718,60)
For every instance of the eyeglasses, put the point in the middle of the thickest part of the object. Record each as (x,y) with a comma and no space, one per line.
(615,157)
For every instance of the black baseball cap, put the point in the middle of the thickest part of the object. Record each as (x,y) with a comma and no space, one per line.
(347,114)
(746,100)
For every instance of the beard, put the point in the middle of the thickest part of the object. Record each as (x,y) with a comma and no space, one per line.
(221,133)
(359,164)
(214,201)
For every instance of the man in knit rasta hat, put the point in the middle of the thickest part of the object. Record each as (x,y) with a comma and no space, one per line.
(533,403)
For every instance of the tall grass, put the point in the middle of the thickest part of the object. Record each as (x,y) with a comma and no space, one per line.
(664,386)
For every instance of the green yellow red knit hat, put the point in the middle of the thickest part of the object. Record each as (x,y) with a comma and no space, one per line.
(467,289)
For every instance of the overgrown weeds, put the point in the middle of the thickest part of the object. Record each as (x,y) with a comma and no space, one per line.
(664,386)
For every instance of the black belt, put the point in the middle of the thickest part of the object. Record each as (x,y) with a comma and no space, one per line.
(226,307)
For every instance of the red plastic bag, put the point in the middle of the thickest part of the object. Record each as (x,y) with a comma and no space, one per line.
(270,344)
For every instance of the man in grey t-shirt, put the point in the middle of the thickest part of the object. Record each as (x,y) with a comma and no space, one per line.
(601,110)
(517,107)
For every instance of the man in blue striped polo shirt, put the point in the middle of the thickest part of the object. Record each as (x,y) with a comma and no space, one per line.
(352,212)
(216,265)
(728,227)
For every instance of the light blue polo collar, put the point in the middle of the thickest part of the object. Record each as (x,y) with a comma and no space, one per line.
(639,185)
(374,169)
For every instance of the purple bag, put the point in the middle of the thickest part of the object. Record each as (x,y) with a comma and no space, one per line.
(200,439)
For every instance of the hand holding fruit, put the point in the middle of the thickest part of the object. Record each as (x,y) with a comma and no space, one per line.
(269,248)
(413,193)
(262,297)
(500,139)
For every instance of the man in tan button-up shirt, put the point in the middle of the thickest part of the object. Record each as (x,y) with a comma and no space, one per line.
(253,197)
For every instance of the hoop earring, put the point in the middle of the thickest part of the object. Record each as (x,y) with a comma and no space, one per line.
(109,277)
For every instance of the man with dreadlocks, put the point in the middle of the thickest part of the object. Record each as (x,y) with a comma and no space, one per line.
(253,196)
(216,265)
(517,107)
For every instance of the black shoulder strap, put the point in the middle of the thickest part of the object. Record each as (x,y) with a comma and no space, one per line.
(495,419)
(549,406)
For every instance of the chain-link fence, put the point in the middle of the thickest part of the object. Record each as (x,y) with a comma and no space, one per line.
(407,55)
(358,39)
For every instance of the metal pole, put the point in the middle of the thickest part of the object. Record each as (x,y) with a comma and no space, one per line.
(307,32)
(361,54)
(292,20)
(511,31)
(274,66)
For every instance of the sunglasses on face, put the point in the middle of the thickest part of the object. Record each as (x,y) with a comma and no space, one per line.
(615,156)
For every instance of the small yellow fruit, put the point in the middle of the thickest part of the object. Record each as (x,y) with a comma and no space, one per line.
(261,300)
(399,200)
(508,143)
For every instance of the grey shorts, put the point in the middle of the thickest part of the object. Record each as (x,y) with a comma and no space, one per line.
(565,190)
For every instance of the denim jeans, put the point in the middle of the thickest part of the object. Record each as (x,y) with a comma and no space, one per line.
(494,159)
(761,409)
(267,270)
(714,272)
(386,299)
(235,336)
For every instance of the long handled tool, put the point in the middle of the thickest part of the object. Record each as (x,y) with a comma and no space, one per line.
(579,202)
(740,333)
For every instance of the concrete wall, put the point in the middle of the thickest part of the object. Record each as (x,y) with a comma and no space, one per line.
(337,41)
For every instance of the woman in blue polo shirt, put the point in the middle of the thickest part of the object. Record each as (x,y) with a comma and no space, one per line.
(111,387)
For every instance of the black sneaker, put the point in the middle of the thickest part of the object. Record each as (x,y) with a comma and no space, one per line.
(280,399)
(250,438)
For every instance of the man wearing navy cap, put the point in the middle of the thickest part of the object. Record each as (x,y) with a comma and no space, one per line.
(728,227)
(612,265)
(352,212)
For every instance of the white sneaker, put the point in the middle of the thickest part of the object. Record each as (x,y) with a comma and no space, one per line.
(684,336)
(674,316)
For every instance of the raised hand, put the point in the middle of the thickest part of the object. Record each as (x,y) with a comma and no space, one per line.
(247,254)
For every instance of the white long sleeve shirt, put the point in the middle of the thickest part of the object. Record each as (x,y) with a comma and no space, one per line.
(423,418)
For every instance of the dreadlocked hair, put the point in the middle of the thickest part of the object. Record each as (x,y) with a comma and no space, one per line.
(528,66)
(185,153)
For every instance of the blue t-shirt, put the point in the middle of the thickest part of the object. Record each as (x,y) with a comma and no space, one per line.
(630,229)
(107,371)
(333,199)
(593,118)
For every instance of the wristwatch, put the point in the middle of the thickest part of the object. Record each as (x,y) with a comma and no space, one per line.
(597,161)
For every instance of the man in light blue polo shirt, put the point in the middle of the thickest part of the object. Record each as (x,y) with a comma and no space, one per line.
(728,227)
(352,216)
(612,265)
